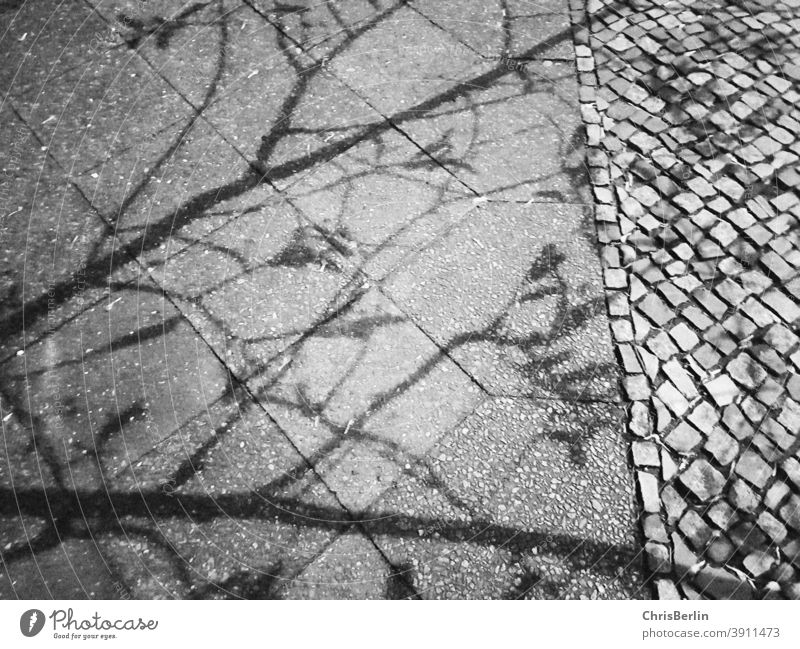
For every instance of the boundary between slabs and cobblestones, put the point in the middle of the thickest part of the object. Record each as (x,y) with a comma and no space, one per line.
(643,454)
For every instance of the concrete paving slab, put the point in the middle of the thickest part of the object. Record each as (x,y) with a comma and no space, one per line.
(322,28)
(532,29)
(21,470)
(206,543)
(365,395)
(245,517)
(516,132)
(385,197)
(290,117)
(257,283)
(107,104)
(170,185)
(42,40)
(525,499)
(49,231)
(196,47)
(222,507)
(403,61)
(74,570)
(105,386)
(534,322)
(350,568)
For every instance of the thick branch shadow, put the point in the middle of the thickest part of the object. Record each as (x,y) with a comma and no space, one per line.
(308,245)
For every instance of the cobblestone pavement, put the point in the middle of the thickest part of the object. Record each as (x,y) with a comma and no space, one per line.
(694,132)
(303,300)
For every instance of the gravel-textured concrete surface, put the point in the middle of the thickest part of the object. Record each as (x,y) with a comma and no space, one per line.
(306,302)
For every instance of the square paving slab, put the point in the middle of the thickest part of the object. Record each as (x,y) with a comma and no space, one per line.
(41,42)
(171,186)
(525,499)
(99,108)
(403,61)
(384,198)
(364,395)
(258,282)
(120,375)
(239,515)
(48,232)
(350,568)
(522,314)
(285,112)
(324,28)
(527,29)
(188,43)
(75,569)
(511,134)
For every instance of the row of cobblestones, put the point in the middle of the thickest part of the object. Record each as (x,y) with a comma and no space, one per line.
(694,142)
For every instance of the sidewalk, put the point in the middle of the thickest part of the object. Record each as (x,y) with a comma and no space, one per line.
(384,299)
(305,304)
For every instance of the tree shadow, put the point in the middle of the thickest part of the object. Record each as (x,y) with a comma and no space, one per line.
(310,245)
